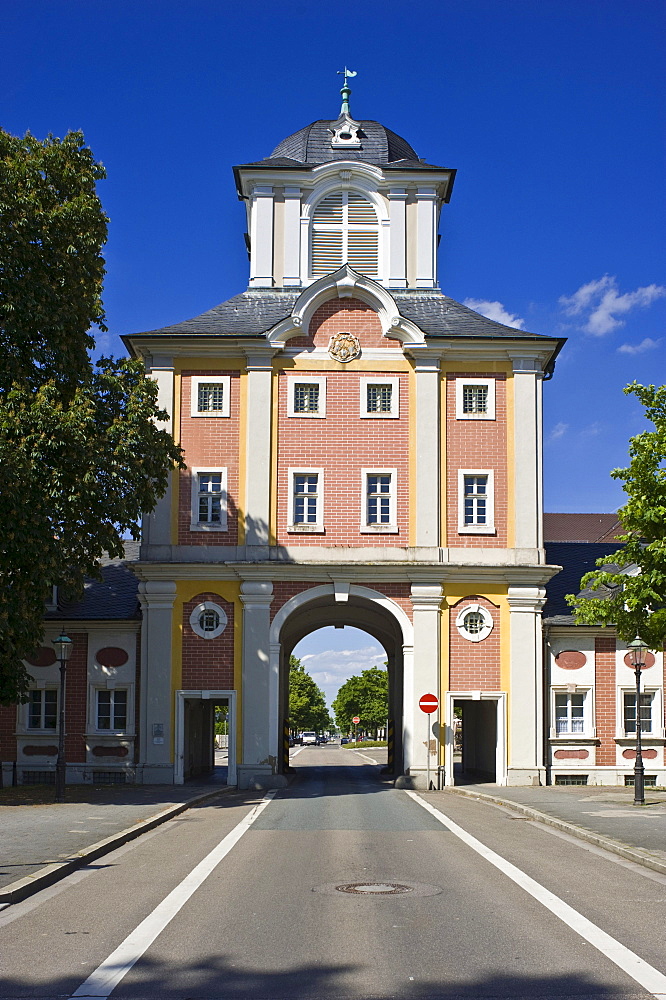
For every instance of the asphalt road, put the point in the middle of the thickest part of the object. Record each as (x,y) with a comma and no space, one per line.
(265,917)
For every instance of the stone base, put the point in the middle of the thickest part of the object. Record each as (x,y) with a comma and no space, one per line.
(259,777)
(531,776)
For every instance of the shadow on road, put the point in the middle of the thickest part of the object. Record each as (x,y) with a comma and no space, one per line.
(216,979)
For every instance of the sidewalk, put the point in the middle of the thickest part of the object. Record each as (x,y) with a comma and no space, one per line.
(42,843)
(603,815)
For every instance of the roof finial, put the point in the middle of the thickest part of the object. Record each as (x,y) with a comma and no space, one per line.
(345,90)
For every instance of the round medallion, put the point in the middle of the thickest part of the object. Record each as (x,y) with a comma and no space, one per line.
(344,347)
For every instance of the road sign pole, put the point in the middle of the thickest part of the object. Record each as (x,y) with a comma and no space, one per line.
(428,704)
(427,753)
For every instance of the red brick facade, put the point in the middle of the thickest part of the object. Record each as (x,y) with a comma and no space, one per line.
(208,664)
(474,666)
(476,444)
(605,709)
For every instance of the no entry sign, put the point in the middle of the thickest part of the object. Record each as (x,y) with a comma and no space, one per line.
(356,720)
(429,703)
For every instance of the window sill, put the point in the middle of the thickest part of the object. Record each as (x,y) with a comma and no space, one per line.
(474,416)
(307,416)
(477,529)
(630,741)
(306,529)
(380,416)
(378,529)
(198,526)
(215,414)
(574,738)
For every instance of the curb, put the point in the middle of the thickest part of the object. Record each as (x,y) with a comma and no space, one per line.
(43,877)
(614,846)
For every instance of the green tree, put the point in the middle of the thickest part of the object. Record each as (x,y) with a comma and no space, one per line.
(628,590)
(81,455)
(365,695)
(307,706)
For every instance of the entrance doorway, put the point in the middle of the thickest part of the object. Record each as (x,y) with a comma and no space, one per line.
(476,745)
(205,736)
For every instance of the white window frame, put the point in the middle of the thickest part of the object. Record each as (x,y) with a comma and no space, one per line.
(477,529)
(292,382)
(196,381)
(195,523)
(112,687)
(386,529)
(489,383)
(391,414)
(41,728)
(488,622)
(318,526)
(196,626)
(588,725)
(657,728)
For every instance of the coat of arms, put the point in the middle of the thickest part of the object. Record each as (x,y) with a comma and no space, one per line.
(344,347)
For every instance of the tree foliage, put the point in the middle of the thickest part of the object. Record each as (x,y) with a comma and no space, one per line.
(365,695)
(81,455)
(628,590)
(307,706)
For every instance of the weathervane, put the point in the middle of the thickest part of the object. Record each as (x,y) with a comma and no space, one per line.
(345,90)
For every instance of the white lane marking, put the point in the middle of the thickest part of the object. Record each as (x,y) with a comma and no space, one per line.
(107,976)
(359,754)
(640,971)
(296,752)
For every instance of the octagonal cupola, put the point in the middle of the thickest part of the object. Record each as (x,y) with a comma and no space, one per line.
(342,192)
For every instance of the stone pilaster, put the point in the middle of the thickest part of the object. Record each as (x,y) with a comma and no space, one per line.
(259,695)
(156,763)
(425,679)
(525,696)
(258,447)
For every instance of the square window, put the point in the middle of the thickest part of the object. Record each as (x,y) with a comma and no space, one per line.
(570,713)
(306,396)
(111,710)
(378,500)
(210,395)
(475,398)
(306,500)
(43,709)
(380,397)
(629,712)
(209,500)
(476,501)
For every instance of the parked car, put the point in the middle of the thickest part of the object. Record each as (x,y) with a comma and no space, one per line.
(344,739)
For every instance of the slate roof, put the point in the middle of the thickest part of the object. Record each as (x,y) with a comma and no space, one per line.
(312,145)
(254,312)
(581,527)
(576,559)
(114,597)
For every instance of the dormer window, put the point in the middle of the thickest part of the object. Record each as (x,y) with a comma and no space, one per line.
(345,133)
(345,230)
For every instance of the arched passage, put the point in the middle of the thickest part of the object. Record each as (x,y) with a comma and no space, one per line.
(362,608)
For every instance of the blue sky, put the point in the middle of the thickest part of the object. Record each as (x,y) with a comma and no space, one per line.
(551,111)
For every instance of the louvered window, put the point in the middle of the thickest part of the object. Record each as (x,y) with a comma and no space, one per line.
(345,230)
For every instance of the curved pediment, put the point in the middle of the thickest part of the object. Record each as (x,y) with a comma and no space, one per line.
(345,283)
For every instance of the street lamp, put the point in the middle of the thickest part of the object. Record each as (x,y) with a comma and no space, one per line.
(638,650)
(63,647)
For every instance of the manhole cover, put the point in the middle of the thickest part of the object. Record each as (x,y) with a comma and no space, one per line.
(385,888)
(388,888)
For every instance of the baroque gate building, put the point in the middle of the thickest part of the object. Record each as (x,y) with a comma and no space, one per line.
(362,450)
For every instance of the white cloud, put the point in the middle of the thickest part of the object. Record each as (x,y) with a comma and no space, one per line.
(558,431)
(645,345)
(330,668)
(600,303)
(495,311)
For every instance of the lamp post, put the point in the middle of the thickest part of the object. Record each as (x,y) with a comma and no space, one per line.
(637,650)
(63,647)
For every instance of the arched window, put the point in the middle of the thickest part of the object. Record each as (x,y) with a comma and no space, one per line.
(344,230)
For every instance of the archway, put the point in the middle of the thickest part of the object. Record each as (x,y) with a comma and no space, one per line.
(359,607)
